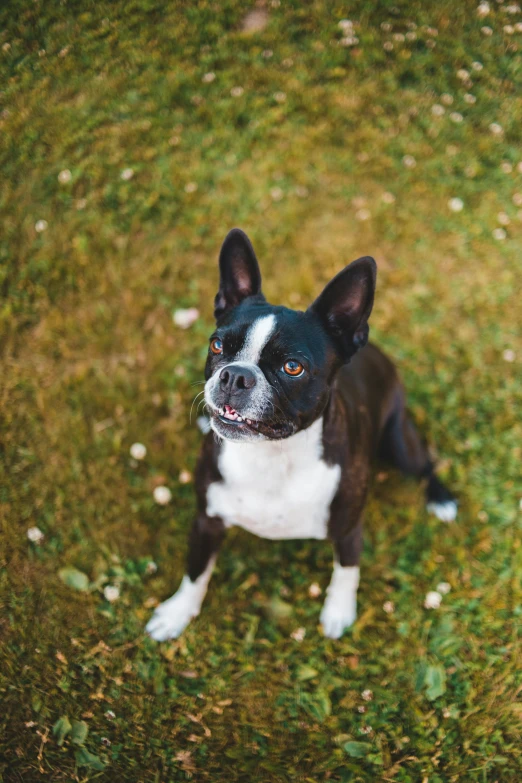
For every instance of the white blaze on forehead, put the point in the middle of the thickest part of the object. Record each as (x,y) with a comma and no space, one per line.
(256,338)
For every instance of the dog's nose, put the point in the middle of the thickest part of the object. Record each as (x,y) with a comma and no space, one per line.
(234,378)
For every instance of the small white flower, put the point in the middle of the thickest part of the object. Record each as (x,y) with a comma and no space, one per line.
(437,110)
(236,92)
(462,74)
(110,715)
(456,116)
(81,203)
(446,712)
(387,46)
(185,318)
(276,194)
(509,355)
(483,9)
(138,451)
(350,40)
(443,588)
(411,26)
(517,199)
(409,161)
(487,30)
(191,187)
(35,535)
(127,174)
(446,98)
(162,495)
(40,225)
(389,607)
(496,129)
(509,29)
(499,233)
(151,567)
(432,31)
(208,77)
(367,695)
(469,98)
(518,27)
(64,176)
(386,26)
(185,477)
(477,66)
(345,24)
(267,54)
(314,591)
(398,37)
(366,729)
(299,634)
(411,36)
(514,8)
(506,167)
(503,219)
(111,593)
(361,708)
(456,204)
(280,97)
(433,600)
(388,198)
(363,214)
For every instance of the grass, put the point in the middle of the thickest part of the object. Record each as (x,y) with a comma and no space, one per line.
(301,158)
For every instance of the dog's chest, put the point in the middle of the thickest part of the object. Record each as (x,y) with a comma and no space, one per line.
(276,489)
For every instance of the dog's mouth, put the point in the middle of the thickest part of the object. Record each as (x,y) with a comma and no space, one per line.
(231,418)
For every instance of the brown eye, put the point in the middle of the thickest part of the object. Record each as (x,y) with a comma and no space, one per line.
(293,368)
(216,346)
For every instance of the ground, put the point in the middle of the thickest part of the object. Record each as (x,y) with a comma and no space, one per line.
(134,135)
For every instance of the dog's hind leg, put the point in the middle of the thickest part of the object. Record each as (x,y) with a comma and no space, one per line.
(402,445)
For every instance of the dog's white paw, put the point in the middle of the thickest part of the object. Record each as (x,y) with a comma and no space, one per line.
(172,617)
(335,619)
(446,512)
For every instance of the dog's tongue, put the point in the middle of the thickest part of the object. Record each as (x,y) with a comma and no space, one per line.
(230,413)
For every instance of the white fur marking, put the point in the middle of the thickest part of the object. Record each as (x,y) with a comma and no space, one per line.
(276,489)
(256,338)
(340,608)
(446,512)
(172,616)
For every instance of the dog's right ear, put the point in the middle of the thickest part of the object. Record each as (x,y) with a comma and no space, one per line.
(239,275)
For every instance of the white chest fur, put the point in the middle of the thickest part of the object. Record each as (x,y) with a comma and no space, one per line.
(276,489)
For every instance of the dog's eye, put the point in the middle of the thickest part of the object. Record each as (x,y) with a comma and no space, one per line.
(293,368)
(216,346)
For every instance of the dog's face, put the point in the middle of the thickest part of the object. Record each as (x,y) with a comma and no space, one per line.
(269,369)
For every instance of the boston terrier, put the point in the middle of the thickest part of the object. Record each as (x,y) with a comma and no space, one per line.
(299,406)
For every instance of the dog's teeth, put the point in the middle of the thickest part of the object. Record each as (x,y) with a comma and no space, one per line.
(239,418)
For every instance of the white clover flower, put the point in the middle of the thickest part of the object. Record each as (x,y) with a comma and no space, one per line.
(411,36)
(81,203)
(487,30)
(151,567)
(127,174)
(280,97)
(443,588)
(350,40)
(208,77)
(345,24)
(314,591)
(431,44)
(499,233)
(446,98)
(509,29)
(446,712)
(361,708)
(64,176)
(267,54)
(387,46)
(462,74)
(276,194)
(503,218)
(185,477)
(469,98)
(35,535)
(386,26)
(389,607)
(518,27)
(433,600)
(514,8)
(517,199)
(506,167)
(110,715)
(456,204)
(367,695)
(398,37)
(366,729)
(456,116)
(299,634)
(236,92)
(162,495)
(40,225)
(496,129)
(363,214)
(138,451)
(191,187)
(185,318)
(437,110)
(477,66)
(483,10)
(111,593)
(409,161)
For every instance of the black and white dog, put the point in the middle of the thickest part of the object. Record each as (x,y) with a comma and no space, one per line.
(299,406)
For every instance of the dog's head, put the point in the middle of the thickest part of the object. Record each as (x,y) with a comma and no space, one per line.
(269,369)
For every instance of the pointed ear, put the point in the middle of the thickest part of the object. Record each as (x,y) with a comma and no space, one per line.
(345,305)
(239,274)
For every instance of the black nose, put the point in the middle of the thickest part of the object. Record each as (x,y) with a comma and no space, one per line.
(234,378)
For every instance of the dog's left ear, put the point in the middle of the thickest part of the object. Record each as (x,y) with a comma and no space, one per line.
(345,305)
(239,275)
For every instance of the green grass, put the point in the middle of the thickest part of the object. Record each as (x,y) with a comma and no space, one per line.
(92,362)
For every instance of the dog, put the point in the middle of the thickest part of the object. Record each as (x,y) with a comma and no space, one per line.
(300,404)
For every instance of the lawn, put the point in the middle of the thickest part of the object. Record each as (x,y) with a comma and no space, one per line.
(134,135)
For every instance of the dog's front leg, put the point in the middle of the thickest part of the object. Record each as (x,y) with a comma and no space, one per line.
(172,616)
(340,607)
